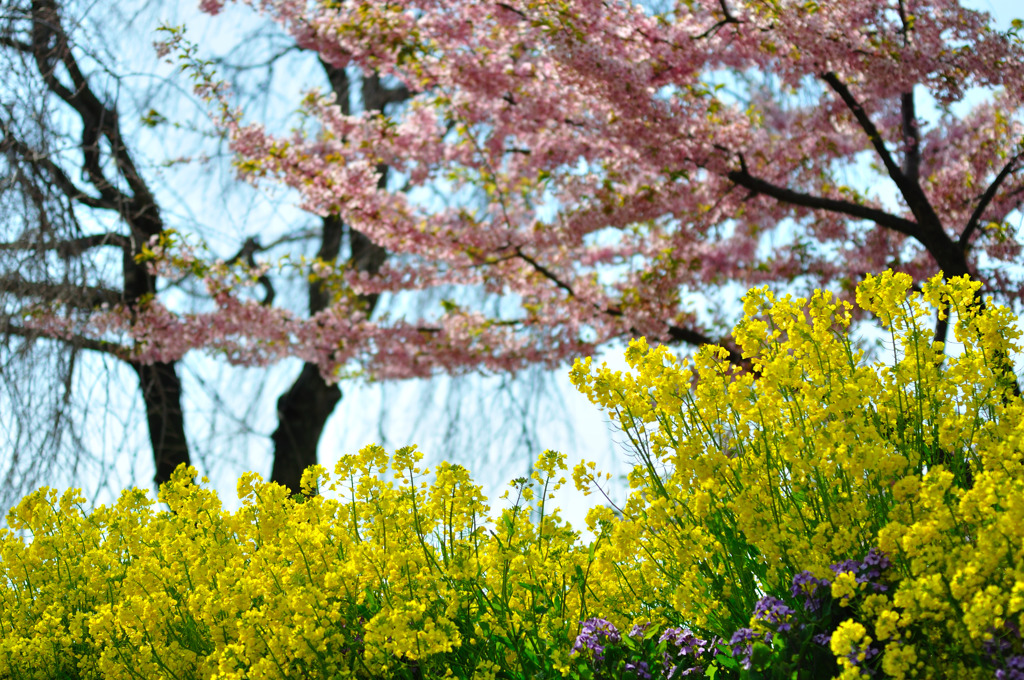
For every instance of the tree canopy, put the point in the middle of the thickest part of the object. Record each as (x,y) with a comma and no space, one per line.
(600,170)
(632,157)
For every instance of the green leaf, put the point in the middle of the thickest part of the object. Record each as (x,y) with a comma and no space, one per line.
(760,655)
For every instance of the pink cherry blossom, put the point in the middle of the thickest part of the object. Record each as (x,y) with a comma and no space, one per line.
(612,163)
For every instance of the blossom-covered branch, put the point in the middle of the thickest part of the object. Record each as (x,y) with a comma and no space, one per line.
(608,164)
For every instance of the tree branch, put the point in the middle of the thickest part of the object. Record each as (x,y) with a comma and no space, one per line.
(727,18)
(57,175)
(545,272)
(692,337)
(990,193)
(675,333)
(246,255)
(78,341)
(510,8)
(911,138)
(8,41)
(866,125)
(72,247)
(376,96)
(50,44)
(744,179)
(911,190)
(79,297)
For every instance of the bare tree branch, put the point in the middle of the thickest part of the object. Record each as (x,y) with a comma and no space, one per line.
(77,341)
(911,138)
(927,219)
(110,181)
(50,46)
(70,248)
(56,174)
(73,294)
(698,339)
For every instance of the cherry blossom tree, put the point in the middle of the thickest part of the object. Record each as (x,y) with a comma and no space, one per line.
(633,159)
(90,172)
(80,208)
(613,169)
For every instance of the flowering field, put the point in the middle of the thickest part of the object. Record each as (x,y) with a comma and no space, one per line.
(819,516)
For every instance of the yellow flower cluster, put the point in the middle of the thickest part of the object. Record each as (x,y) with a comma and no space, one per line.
(819,455)
(382,570)
(848,643)
(743,481)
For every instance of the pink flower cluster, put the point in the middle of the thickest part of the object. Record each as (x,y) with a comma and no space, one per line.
(630,160)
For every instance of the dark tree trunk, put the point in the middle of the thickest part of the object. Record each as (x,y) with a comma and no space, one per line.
(303,410)
(161,393)
(112,183)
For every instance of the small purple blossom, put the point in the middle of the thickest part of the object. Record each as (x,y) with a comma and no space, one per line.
(998,646)
(1013,669)
(869,652)
(867,570)
(823,639)
(774,611)
(685,641)
(687,645)
(742,643)
(877,559)
(845,565)
(999,650)
(594,635)
(639,669)
(639,629)
(813,590)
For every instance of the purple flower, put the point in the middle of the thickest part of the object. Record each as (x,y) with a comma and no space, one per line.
(1012,670)
(845,565)
(686,642)
(869,652)
(867,570)
(593,637)
(742,643)
(687,645)
(774,611)
(639,629)
(639,669)
(997,647)
(999,652)
(877,559)
(805,585)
